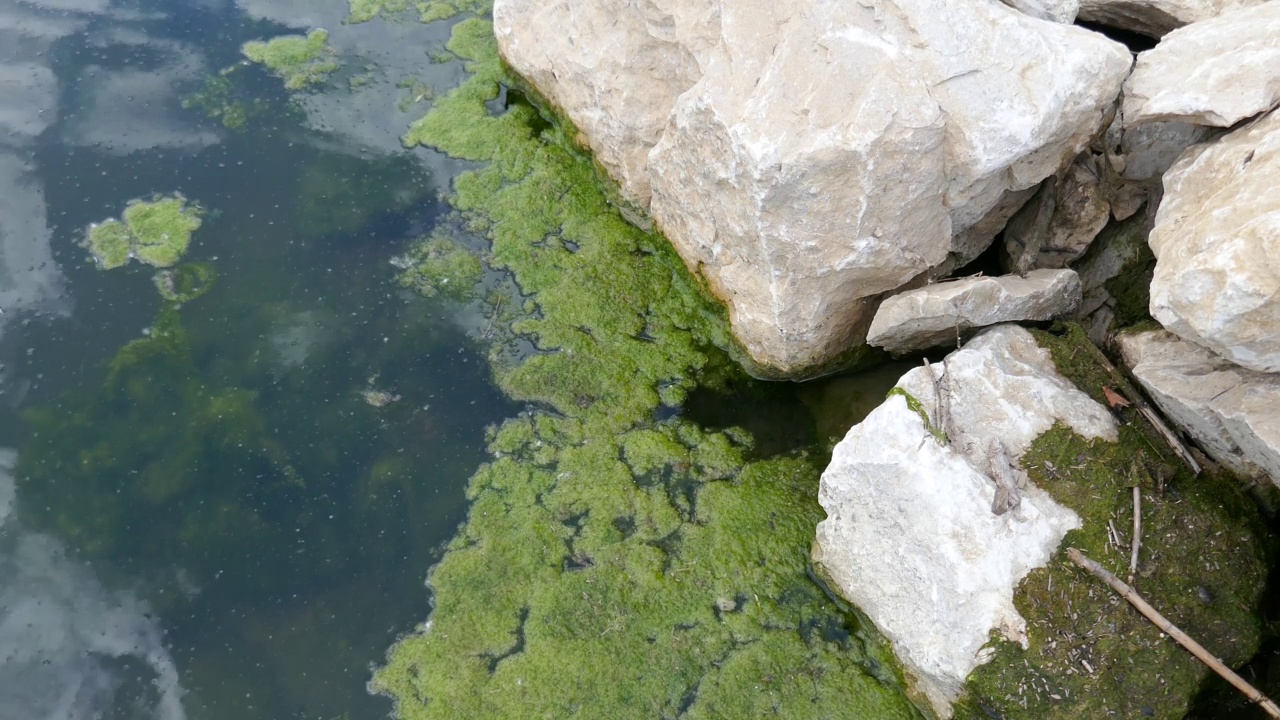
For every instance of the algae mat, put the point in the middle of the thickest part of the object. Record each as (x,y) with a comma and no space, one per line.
(615,564)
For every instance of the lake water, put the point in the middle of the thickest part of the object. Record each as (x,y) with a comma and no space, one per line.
(227,510)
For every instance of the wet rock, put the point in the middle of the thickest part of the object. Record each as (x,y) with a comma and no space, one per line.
(935,315)
(911,537)
(1215,72)
(1155,17)
(798,212)
(1232,413)
(1216,282)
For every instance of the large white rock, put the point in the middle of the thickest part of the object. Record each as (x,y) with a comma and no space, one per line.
(1232,413)
(910,535)
(806,158)
(937,314)
(1155,17)
(1217,244)
(1215,72)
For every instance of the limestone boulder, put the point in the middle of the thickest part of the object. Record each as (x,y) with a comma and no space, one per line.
(1214,72)
(1155,17)
(911,535)
(1231,412)
(1063,11)
(1217,245)
(936,315)
(812,157)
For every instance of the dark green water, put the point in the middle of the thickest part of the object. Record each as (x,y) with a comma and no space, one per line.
(222,526)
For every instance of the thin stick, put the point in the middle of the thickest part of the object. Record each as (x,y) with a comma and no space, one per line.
(1254,695)
(1178,447)
(1137,531)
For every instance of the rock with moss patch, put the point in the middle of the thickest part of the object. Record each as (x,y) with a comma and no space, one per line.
(911,535)
(1230,411)
(300,60)
(156,232)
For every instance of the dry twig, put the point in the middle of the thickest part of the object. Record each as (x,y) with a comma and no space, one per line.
(1137,531)
(1195,648)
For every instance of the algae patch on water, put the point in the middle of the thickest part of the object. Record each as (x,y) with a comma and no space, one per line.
(614,564)
(440,266)
(156,232)
(1203,564)
(301,61)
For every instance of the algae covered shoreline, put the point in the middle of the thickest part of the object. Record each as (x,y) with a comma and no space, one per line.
(618,559)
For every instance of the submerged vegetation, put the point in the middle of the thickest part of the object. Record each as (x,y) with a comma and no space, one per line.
(614,563)
(428,10)
(156,232)
(1203,564)
(438,265)
(301,61)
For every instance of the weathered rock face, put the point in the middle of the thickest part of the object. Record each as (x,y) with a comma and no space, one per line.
(1150,149)
(1155,17)
(1217,240)
(1215,72)
(815,157)
(1233,413)
(936,315)
(1063,11)
(1056,227)
(911,537)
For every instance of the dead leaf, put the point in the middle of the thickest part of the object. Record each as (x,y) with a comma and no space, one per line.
(1115,399)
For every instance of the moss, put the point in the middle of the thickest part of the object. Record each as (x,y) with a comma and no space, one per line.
(157,232)
(1131,288)
(613,565)
(428,10)
(438,265)
(301,61)
(186,282)
(914,405)
(1204,558)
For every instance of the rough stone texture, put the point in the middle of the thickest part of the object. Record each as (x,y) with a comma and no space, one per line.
(932,316)
(816,157)
(1155,17)
(1116,247)
(1233,413)
(1149,150)
(910,536)
(1217,244)
(1078,208)
(1063,11)
(1215,72)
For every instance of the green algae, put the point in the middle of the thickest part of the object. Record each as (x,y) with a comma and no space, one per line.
(156,232)
(613,565)
(1204,559)
(427,10)
(186,282)
(301,61)
(915,406)
(440,266)
(222,101)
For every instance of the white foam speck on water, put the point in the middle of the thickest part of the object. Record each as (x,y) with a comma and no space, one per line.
(61,630)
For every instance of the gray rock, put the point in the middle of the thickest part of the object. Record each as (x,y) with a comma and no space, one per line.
(1231,412)
(1155,17)
(911,537)
(1214,72)
(937,314)
(1056,228)
(1216,280)
(808,160)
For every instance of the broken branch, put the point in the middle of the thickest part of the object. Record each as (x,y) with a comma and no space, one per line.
(1137,531)
(1255,696)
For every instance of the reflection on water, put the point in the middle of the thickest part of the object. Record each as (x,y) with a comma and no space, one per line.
(224,508)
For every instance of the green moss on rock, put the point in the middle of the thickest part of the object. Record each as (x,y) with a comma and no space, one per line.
(156,232)
(1203,564)
(613,565)
(301,61)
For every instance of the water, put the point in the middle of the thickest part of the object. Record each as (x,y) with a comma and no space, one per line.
(226,510)
(223,526)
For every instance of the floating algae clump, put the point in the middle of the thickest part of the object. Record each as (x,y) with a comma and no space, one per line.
(301,61)
(157,232)
(613,565)
(186,282)
(428,10)
(440,266)
(1203,563)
